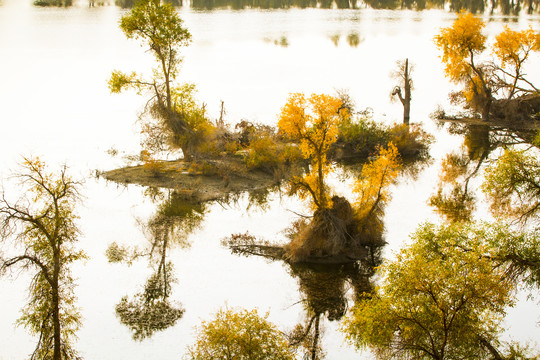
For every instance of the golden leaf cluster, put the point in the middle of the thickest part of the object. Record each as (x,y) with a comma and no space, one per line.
(513,47)
(459,43)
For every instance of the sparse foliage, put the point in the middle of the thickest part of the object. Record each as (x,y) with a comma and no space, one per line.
(43,224)
(405,85)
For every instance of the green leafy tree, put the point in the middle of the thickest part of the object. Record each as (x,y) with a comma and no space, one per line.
(239,335)
(442,298)
(43,225)
(160,29)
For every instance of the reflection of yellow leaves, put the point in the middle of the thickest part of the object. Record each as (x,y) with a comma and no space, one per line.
(452,167)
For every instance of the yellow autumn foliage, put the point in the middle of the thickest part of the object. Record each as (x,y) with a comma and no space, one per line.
(372,186)
(239,335)
(513,47)
(459,43)
(314,123)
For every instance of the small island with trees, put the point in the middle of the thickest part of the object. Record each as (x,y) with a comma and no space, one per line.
(444,295)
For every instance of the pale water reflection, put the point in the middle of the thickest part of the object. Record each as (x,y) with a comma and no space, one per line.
(55,103)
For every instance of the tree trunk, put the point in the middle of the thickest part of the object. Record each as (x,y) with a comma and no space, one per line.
(315,338)
(57,353)
(490,348)
(322,194)
(407,103)
(486,109)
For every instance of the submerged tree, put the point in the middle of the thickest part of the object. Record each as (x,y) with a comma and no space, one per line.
(239,335)
(314,122)
(345,232)
(372,188)
(158,26)
(445,295)
(404,87)
(335,231)
(43,223)
(461,44)
(494,82)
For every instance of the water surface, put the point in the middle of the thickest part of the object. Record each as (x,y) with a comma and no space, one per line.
(54,67)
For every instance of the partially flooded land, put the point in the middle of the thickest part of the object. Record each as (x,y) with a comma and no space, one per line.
(320,180)
(196,185)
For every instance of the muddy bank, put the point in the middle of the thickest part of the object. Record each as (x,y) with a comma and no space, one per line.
(197,181)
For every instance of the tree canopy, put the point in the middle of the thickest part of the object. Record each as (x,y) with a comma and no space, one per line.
(239,335)
(513,48)
(314,122)
(461,44)
(488,80)
(445,295)
(441,298)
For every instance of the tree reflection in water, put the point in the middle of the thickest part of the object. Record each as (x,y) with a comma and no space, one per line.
(455,200)
(506,7)
(326,292)
(326,289)
(151,309)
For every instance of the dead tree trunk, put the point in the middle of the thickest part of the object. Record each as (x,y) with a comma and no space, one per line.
(404,94)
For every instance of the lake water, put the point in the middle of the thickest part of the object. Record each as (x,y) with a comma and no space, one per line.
(54,66)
